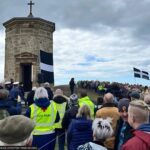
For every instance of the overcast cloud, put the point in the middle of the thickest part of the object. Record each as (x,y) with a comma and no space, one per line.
(94,39)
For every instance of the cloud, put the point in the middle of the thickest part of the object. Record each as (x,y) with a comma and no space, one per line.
(88,55)
(93,39)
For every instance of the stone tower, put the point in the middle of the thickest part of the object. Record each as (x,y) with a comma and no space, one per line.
(25,37)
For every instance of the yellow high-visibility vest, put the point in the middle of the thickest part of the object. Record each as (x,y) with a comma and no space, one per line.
(101,88)
(86,101)
(44,120)
(61,108)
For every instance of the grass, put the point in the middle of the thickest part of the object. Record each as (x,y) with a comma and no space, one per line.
(66,91)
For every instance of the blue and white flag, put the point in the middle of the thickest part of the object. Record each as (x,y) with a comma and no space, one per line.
(46,66)
(140,74)
(137,73)
(145,75)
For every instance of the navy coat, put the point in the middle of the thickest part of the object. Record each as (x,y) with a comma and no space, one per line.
(79,132)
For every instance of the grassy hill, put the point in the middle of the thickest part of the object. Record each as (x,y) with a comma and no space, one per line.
(66,91)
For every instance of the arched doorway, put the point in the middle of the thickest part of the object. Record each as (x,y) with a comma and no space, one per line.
(26,69)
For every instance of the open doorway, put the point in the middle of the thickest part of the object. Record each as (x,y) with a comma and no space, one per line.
(26,76)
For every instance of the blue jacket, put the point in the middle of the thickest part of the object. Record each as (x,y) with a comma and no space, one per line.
(14,93)
(11,106)
(79,132)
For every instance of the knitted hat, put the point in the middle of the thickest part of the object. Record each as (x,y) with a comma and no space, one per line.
(123,104)
(73,99)
(15,129)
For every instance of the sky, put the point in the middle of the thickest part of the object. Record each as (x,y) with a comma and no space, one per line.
(94,39)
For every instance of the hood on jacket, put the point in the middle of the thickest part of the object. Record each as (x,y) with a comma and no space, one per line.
(144,136)
(42,102)
(60,99)
(144,127)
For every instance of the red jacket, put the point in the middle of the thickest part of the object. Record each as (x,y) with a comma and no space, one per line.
(140,141)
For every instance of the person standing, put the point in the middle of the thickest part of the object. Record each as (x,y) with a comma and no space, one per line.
(71,112)
(72,85)
(138,118)
(61,102)
(30,96)
(45,115)
(102,130)
(110,110)
(123,128)
(11,107)
(85,100)
(49,90)
(80,129)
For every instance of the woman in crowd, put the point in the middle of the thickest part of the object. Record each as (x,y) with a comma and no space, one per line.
(101,131)
(45,115)
(80,129)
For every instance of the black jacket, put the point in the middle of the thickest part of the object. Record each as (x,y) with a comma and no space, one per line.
(127,132)
(50,93)
(69,115)
(30,98)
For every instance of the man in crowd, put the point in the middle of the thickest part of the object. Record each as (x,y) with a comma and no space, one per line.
(15,91)
(138,118)
(110,110)
(123,128)
(49,91)
(85,100)
(16,131)
(61,102)
(134,95)
(72,112)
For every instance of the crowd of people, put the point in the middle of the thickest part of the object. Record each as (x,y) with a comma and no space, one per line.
(118,120)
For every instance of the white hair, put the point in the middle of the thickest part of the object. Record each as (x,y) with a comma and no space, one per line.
(46,84)
(40,93)
(102,128)
(26,142)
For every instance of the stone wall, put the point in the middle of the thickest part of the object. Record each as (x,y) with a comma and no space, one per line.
(26,36)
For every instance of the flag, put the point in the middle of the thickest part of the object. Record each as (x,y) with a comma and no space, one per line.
(140,74)
(145,75)
(46,66)
(137,73)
